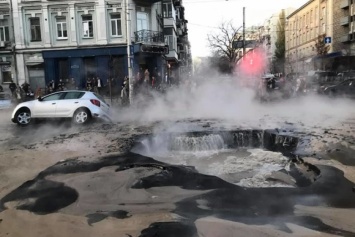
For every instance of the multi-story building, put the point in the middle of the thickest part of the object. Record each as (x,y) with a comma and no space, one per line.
(270,32)
(344,33)
(176,36)
(331,18)
(80,39)
(7,59)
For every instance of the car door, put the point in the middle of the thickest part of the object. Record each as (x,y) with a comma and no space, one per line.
(68,104)
(45,107)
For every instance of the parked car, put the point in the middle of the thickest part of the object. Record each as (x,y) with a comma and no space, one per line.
(5,100)
(81,106)
(343,89)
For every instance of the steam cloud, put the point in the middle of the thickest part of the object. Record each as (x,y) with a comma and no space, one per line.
(225,99)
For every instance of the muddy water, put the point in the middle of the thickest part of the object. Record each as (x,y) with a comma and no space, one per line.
(244,167)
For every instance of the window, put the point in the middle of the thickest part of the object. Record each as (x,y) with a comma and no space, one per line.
(4,30)
(323,27)
(62,32)
(168,10)
(35,28)
(6,73)
(142,21)
(323,12)
(170,40)
(56,96)
(88,28)
(73,95)
(116,28)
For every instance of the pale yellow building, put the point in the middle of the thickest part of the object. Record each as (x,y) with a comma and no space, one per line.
(303,26)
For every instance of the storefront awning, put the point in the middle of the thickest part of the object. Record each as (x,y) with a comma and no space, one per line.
(329,55)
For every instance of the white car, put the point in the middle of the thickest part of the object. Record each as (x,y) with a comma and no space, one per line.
(81,106)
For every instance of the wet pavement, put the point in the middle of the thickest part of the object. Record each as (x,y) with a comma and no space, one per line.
(90,187)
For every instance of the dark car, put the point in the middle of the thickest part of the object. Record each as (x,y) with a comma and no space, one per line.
(343,89)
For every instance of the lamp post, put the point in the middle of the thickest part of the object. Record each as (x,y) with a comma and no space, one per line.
(129,56)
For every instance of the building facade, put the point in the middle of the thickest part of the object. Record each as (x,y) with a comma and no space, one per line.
(80,39)
(344,34)
(302,30)
(331,18)
(179,60)
(270,34)
(7,43)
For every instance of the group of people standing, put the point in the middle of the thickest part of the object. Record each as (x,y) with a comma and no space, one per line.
(61,86)
(91,84)
(154,80)
(21,93)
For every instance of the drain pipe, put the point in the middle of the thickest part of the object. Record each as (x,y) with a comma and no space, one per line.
(13,43)
(129,56)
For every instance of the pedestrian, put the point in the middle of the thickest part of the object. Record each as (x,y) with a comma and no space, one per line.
(72,84)
(125,91)
(99,85)
(61,85)
(167,78)
(89,85)
(146,76)
(67,84)
(12,87)
(51,86)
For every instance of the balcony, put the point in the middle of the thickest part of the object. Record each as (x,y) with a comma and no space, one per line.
(345,39)
(344,21)
(344,4)
(149,37)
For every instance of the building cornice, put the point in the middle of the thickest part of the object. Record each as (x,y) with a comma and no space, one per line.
(299,9)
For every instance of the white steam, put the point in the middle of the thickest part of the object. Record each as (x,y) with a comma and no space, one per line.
(225,100)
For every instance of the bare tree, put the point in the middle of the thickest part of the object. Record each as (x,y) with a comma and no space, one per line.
(321,47)
(222,43)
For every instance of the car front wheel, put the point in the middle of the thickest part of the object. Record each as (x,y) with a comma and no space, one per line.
(23,117)
(81,116)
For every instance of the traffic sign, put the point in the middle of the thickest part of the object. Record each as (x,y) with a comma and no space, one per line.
(327,40)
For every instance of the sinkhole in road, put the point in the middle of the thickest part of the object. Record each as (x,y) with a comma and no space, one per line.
(249,158)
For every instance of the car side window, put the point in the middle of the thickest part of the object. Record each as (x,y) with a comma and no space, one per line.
(53,97)
(73,95)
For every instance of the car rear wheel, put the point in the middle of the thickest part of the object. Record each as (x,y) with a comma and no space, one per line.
(23,117)
(81,116)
